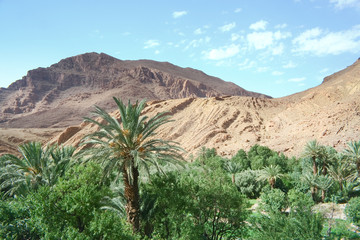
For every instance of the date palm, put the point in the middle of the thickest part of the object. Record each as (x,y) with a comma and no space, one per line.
(35,167)
(271,174)
(353,151)
(127,144)
(232,168)
(314,151)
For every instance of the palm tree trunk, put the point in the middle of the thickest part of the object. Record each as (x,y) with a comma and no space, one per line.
(323,195)
(315,170)
(358,166)
(233,178)
(132,199)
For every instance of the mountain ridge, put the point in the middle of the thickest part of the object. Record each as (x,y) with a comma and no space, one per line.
(95,78)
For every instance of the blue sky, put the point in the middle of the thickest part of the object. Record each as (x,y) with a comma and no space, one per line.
(276,47)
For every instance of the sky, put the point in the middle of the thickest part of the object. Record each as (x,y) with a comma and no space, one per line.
(276,47)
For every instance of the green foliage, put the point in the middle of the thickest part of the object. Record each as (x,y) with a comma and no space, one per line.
(352,210)
(128,145)
(273,200)
(241,159)
(70,209)
(36,167)
(15,221)
(299,223)
(210,206)
(248,184)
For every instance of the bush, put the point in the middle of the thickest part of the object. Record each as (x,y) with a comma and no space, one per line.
(273,200)
(352,210)
(248,184)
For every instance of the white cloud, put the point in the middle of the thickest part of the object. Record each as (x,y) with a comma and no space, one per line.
(290,64)
(223,52)
(262,69)
(320,42)
(246,64)
(157,52)
(278,50)
(235,37)
(301,79)
(259,25)
(178,14)
(198,31)
(277,73)
(324,70)
(260,40)
(228,27)
(281,26)
(197,42)
(151,43)
(341,4)
(238,10)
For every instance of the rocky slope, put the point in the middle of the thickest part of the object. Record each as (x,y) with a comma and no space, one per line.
(329,113)
(65,92)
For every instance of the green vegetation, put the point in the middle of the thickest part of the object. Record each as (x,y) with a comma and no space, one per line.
(130,185)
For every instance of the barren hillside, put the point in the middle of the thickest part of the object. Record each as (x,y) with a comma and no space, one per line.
(329,113)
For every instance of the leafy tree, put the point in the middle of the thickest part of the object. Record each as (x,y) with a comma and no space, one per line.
(71,208)
(259,155)
(16,222)
(248,184)
(299,223)
(352,210)
(241,159)
(127,144)
(211,207)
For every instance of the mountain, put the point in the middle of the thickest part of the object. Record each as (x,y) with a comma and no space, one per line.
(65,92)
(329,113)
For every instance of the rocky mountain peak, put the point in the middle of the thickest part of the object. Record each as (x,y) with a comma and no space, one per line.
(73,85)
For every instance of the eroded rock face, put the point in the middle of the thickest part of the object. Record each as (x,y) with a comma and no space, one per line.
(70,88)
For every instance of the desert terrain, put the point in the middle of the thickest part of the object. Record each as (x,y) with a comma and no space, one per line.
(216,118)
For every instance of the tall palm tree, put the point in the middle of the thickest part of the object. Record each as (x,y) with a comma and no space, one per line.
(232,168)
(313,150)
(271,174)
(353,151)
(128,144)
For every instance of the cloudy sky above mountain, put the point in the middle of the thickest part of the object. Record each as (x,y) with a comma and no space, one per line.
(273,47)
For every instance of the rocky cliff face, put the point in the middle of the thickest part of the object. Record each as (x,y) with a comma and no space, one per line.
(66,91)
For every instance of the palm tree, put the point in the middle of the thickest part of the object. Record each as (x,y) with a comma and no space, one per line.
(341,170)
(128,144)
(37,166)
(324,183)
(353,151)
(313,150)
(232,168)
(271,174)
